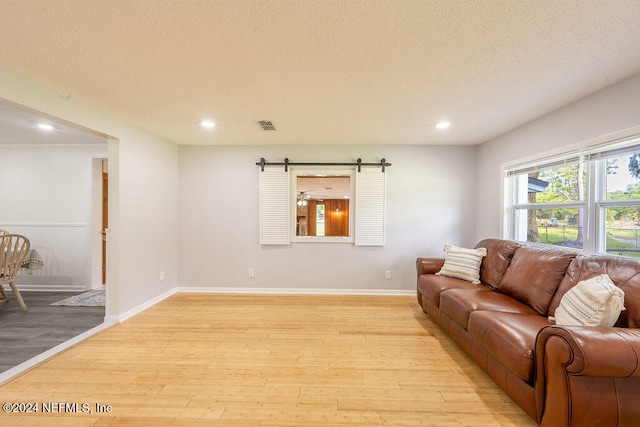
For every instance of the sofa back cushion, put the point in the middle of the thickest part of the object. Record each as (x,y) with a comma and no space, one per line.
(534,275)
(495,263)
(624,273)
(570,279)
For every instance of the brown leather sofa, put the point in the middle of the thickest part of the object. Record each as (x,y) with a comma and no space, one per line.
(559,375)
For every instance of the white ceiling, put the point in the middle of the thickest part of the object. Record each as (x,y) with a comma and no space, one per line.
(323,71)
(324,187)
(19,126)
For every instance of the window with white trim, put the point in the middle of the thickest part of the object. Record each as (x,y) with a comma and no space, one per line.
(322,206)
(588,200)
(282,210)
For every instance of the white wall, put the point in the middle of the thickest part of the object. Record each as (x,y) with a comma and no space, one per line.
(430,195)
(48,198)
(209,196)
(143,196)
(606,115)
(429,198)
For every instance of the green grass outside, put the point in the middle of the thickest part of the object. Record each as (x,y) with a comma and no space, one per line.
(616,247)
(624,233)
(557,235)
(562,234)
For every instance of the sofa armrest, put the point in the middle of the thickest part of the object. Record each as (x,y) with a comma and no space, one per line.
(586,373)
(597,352)
(429,265)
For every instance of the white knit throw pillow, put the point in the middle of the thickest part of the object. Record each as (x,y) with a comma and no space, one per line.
(463,263)
(593,302)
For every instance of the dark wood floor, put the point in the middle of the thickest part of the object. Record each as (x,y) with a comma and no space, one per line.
(24,335)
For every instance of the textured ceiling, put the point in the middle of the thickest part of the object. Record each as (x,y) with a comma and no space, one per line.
(323,71)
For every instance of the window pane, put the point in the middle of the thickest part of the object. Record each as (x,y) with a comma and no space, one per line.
(315,195)
(319,220)
(623,231)
(622,177)
(558,226)
(565,183)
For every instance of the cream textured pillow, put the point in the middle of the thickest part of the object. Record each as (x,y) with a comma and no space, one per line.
(463,263)
(593,302)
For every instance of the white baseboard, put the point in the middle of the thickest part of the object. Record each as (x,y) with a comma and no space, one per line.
(295,291)
(130,313)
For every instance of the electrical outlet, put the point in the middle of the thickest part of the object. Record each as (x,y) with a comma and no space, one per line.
(251,273)
(387,274)
(162,275)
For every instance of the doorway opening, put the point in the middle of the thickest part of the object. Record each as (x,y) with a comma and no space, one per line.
(105,217)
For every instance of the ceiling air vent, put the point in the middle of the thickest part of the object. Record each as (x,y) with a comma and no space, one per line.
(266,125)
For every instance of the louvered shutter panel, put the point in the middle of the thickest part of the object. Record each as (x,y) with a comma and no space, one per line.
(274,207)
(370,208)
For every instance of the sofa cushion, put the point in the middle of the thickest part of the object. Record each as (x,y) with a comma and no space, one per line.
(593,302)
(462,263)
(499,254)
(458,304)
(431,286)
(570,279)
(534,275)
(510,338)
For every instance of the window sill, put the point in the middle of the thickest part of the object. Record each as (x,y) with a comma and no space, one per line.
(322,239)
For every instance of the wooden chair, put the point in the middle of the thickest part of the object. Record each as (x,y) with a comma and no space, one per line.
(13,251)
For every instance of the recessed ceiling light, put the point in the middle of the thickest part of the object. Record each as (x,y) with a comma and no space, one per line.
(443,124)
(45,126)
(207,124)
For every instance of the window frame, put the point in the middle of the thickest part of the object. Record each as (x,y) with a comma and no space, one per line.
(595,203)
(295,172)
(367,213)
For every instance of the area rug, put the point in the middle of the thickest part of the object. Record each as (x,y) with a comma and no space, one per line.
(93,298)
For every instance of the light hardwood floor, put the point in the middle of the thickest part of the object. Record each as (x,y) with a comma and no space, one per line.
(262,360)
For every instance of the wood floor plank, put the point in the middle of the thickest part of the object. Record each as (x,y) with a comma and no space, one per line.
(44,326)
(266,360)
